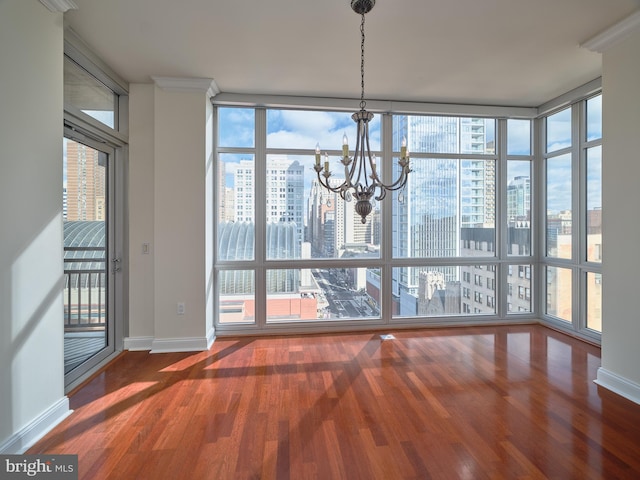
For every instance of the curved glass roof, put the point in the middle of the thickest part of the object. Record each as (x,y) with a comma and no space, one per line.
(236,241)
(84,234)
(88,264)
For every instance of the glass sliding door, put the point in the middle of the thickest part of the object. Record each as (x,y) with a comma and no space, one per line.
(90,264)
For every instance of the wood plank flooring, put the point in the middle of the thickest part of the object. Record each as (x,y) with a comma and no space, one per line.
(515,402)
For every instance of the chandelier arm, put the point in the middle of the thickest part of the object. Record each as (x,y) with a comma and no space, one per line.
(374,172)
(357,157)
(399,183)
(347,176)
(383,193)
(353,167)
(325,183)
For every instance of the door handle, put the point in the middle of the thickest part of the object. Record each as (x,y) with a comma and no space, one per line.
(116,265)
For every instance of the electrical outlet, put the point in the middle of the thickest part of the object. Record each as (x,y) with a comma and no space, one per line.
(181,309)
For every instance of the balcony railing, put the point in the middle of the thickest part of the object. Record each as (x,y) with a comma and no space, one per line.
(85,289)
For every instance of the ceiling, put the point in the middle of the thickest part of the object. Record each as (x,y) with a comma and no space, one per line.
(490,52)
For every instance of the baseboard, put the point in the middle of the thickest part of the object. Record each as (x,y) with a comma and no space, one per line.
(138,343)
(184,344)
(618,384)
(20,441)
(166,345)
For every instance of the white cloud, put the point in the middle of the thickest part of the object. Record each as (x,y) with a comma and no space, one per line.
(519,137)
(305,130)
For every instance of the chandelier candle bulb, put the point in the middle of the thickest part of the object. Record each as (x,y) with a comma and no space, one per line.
(318,154)
(326,162)
(345,145)
(403,150)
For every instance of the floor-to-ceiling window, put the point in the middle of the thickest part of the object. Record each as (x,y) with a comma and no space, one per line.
(453,246)
(571,140)
(499,221)
(517,204)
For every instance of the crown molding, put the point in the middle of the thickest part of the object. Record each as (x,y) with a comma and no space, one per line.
(59,6)
(185,84)
(614,34)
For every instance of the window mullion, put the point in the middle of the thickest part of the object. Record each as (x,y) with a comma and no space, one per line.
(577,204)
(539,217)
(581,321)
(260,194)
(386,250)
(501,277)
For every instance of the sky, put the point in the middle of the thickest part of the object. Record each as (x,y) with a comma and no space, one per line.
(559,172)
(299,129)
(294,129)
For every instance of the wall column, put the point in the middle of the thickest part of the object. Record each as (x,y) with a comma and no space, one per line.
(620,197)
(182,213)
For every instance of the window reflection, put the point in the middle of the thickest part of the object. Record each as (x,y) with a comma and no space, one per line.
(594,118)
(594,204)
(559,130)
(559,293)
(519,207)
(558,202)
(518,137)
(594,301)
(88,94)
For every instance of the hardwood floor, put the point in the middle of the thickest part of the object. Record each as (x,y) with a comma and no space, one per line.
(458,403)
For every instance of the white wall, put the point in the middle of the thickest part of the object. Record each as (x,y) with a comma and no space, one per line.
(141,207)
(210,178)
(170,163)
(31,270)
(620,369)
(179,213)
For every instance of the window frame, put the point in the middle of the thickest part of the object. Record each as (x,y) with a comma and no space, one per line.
(578,264)
(502,260)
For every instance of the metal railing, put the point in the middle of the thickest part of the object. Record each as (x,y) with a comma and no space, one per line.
(85,288)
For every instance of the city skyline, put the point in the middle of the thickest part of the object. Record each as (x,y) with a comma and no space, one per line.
(444,198)
(446,209)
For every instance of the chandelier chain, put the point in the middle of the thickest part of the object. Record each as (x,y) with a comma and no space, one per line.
(362,180)
(362,101)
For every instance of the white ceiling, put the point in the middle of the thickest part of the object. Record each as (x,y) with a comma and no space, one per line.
(491,52)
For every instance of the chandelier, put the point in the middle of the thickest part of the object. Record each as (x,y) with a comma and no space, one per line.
(361,176)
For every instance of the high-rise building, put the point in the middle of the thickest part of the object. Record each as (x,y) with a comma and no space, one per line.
(64,202)
(85,191)
(244,208)
(478,282)
(229,205)
(334,226)
(519,199)
(321,221)
(285,192)
(226,199)
(442,195)
(284,196)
